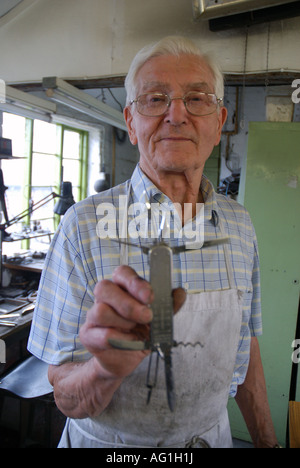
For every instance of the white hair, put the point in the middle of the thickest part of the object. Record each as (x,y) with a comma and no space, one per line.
(171,45)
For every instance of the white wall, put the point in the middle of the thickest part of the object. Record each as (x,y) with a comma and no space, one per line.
(92,38)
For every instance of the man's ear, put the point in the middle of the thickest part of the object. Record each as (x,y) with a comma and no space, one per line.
(222,117)
(129,122)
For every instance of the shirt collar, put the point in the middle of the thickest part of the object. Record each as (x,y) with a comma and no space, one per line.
(144,189)
(210,201)
(146,192)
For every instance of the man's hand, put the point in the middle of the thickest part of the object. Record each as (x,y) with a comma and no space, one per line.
(122,310)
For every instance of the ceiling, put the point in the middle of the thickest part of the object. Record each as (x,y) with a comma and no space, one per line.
(10,9)
(7,5)
(217,8)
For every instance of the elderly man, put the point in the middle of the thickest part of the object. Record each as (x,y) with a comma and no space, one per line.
(95,290)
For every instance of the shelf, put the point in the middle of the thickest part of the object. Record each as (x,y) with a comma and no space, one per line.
(25,237)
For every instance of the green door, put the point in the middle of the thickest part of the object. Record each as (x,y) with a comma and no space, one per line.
(212,167)
(272,197)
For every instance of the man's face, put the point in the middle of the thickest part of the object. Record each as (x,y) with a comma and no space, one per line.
(176,141)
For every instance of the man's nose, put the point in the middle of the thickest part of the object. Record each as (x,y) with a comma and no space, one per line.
(177,112)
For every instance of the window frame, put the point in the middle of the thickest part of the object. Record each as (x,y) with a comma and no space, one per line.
(29,154)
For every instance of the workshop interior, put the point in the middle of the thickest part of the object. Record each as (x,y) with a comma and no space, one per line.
(63,138)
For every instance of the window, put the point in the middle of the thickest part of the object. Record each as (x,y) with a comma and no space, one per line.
(50,154)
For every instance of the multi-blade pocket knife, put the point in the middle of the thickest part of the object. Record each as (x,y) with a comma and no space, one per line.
(160,258)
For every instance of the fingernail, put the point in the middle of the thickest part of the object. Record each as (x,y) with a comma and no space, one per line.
(145,294)
(146,314)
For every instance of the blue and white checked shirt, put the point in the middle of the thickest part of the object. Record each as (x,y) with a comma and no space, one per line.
(78,258)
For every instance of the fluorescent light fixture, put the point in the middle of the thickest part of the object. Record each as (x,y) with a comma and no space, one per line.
(28,100)
(208,9)
(28,114)
(27,105)
(68,102)
(64,93)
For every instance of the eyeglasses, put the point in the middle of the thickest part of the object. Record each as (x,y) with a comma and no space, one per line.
(196,103)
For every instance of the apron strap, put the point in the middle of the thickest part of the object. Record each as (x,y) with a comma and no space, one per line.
(123,229)
(227,257)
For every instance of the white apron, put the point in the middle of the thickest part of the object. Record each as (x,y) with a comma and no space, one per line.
(202,378)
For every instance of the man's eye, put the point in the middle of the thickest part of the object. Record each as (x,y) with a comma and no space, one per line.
(155,99)
(196,98)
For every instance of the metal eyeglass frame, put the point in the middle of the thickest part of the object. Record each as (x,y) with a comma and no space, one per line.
(169,99)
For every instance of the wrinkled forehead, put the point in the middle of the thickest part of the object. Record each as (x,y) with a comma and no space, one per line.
(163,73)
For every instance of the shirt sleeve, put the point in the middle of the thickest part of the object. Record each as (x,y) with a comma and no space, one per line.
(64,296)
(255,322)
(251,321)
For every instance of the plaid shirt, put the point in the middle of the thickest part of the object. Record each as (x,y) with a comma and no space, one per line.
(79,257)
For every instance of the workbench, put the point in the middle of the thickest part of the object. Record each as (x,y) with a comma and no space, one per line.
(16,338)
